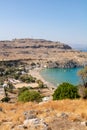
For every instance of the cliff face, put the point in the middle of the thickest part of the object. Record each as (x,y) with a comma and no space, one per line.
(46,53)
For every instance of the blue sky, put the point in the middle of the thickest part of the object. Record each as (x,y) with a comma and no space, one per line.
(58,20)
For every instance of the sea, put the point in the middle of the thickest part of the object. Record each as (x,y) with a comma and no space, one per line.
(57,76)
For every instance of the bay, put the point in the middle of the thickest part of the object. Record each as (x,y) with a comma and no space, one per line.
(57,76)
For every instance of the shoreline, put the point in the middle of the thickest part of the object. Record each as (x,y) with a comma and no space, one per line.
(36,73)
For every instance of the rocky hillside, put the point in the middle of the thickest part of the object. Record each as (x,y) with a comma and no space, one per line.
(46,53)
(32,43)
(60,115)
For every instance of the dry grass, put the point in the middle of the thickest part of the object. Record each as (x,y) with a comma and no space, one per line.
(14,112)
(72,106)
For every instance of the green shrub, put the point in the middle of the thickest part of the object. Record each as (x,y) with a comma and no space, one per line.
(1,83)
(5,99)
(64,91)
(27,96)
(21,90)
(40,84)
(27,78)
(24,78)
(32,79)
(10,87)
(30,87)
(16,76)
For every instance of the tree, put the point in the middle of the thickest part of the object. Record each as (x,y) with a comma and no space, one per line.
(83,74)
(64,91)
(82,92)
(83,87)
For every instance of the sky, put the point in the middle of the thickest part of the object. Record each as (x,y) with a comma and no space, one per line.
(57,20)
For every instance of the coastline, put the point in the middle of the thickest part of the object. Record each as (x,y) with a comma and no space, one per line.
(36,73)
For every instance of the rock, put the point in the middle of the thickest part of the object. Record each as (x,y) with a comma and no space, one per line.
(45,99)
(30,114)
(63,64)
(35,123)
(64,115)
(26,122)
(71,64)
(84,123)
(52,64)
(31,121)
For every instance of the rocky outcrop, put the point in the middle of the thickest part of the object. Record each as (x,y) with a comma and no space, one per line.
(57,64)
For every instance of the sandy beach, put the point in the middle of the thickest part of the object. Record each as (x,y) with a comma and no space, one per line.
(36,73)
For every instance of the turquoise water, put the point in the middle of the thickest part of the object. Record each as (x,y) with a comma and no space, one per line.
(57,76)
